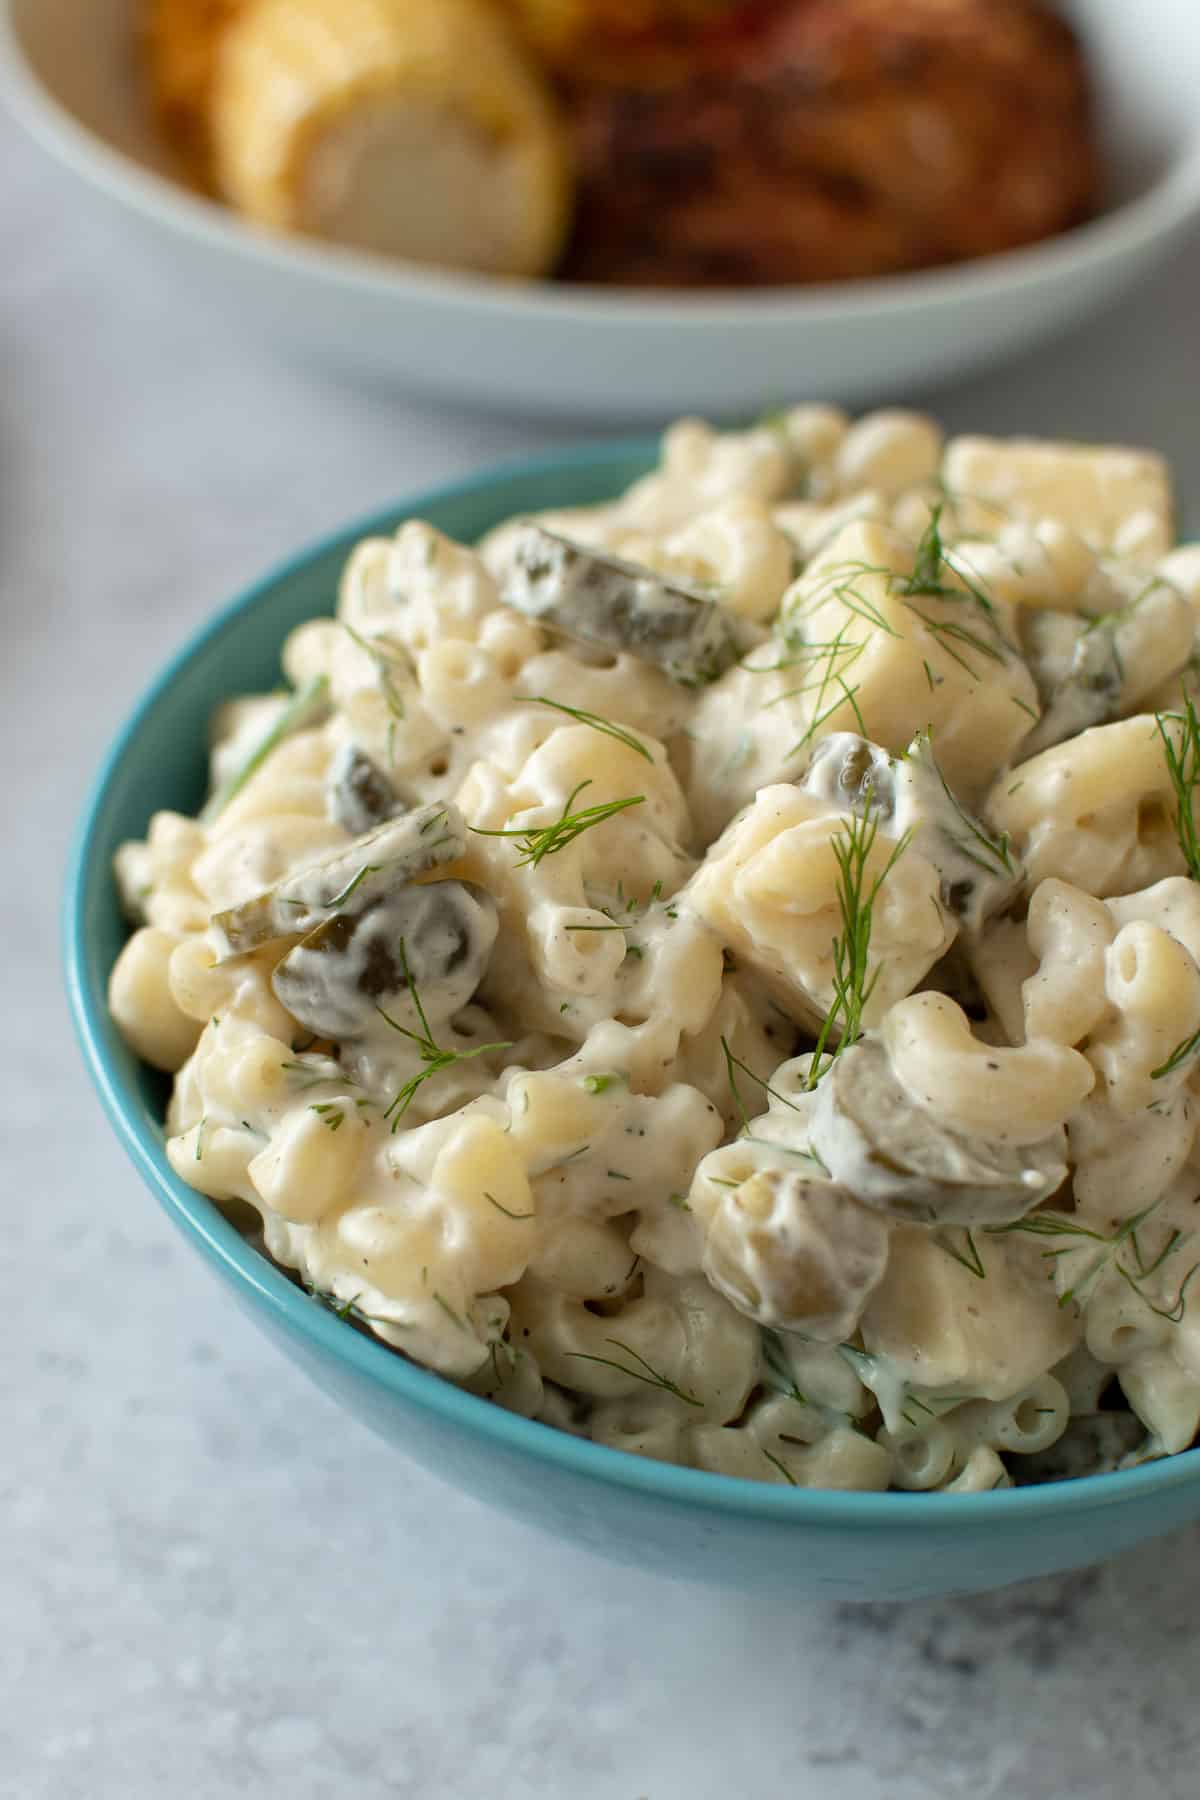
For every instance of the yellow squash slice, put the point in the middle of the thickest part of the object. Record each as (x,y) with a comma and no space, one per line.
(416,128)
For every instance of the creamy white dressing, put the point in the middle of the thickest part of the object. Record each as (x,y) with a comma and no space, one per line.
(522,1078)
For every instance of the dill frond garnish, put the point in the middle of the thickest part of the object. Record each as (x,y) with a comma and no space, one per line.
(331,1113)
(304,709)
(597,723)
(384,667)
(733,1062)
(1183,767)
(1182,1053)
(782,1467)
(537,842)
(651,1377)
(853,980)
(600,1084)
(969,1257)
(351,886)
(312,1074)
(506,1210)
(433,1057)
(949,632)
(831,662)
(931,566)
(1109,1254)
(348,1309)
(993,855)
(935,576)
(776,1370)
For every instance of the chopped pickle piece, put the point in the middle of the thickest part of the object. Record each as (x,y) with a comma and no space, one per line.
(349,882)
(358,793)
(979,875)
(796,1252)
(1092,1444)
(623,606)
(901,1159)
(436,938)
(1113,664)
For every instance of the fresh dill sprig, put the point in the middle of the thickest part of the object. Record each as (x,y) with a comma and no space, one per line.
(304,709)
(541,841)
(853,981)
(1183,767)
(600,1084)
(831,662)
(926,577)
(433,1057)
(344,1309)
(1107,1255)
(1120,615)
(946,633)
(782,1467)
(331,1113)
(968,1257)
(733,1062)
(993,855)
(1182,1053)
(351,887)
(651,1377)
(315,1077)
(777,1370)
(930,567)
(506,1210)
(597,723)
(385,668)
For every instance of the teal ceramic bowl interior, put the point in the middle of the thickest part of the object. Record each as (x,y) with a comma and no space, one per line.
(678,1522)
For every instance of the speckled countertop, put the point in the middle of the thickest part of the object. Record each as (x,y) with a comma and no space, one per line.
(212,1583)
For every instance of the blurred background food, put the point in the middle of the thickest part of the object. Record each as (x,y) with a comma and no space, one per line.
(648,142)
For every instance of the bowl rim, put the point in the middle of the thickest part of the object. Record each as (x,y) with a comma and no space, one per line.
(259,1280)
(1133,225)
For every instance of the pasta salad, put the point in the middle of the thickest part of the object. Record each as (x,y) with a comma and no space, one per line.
(718,971)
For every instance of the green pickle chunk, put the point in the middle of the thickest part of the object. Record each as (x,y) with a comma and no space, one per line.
(604,600)
(351,880)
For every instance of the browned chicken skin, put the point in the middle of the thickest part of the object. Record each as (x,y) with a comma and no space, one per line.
(817,140)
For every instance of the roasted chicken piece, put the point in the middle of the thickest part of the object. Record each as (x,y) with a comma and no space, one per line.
(585,39)
(820,140)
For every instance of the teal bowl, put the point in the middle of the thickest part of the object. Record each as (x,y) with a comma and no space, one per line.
(678,1522)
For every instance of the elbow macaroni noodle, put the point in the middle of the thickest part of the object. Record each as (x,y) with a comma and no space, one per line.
(617,1188)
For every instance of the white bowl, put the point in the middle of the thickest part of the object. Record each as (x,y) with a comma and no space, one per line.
(542,347)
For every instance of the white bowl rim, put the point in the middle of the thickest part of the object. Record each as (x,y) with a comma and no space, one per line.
(1130,226)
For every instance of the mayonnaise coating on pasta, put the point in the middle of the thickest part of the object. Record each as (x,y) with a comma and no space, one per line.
(718,971)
